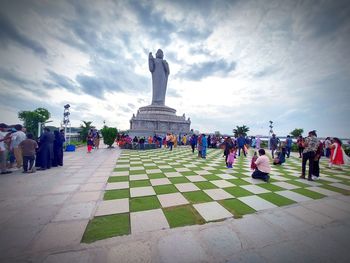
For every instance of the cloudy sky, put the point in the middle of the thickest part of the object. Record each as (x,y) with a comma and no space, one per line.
(231,62)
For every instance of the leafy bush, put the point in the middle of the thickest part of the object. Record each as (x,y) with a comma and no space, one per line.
(109,135)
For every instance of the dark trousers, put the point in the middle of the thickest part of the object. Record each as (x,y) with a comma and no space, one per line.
(193,146)
(239,150)
(300,149)
(26,160)
(316,168)
(170,145)
(328,152)
(260,175)
(288,151)
(308,156)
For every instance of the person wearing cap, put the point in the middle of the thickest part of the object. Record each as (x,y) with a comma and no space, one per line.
(4,135)
(309,153)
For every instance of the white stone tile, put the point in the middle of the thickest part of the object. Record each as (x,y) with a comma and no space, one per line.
(226,176)
(190,165)
(137,168)
(173,174)
(208,168)
(121,173)
(160,181)
(255,189)
(110,207)
(329,179)
(322,191)
(293,196)
(150,220)
(278,177)
(218,194)
(341,186)
(92,187)
(186,187)
(153,171)
(222,183)
(164,166)
(196,178)
(182,169)
(252,180)
(173,199)
(341,176)
(285,185)
(312,183)
(212,211)
(202,172)
(136,177)
(82,197)
(123,166)
(256,202)
(75,211)
(142,191)
(117,185)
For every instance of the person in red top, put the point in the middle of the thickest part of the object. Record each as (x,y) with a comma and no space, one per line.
(336,153)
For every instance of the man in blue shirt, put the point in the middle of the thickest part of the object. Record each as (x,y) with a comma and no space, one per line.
(289,143)
(241,142)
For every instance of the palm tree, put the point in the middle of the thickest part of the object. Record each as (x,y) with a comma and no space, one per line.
(240,130)
(85,127)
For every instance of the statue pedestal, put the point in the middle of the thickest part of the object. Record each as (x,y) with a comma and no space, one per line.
(157,119)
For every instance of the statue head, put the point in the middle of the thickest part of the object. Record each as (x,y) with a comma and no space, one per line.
(159,54)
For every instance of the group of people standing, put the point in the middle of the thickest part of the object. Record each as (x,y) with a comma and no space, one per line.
(93,140)
(19,147)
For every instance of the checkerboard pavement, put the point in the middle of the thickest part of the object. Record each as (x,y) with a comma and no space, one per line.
(159,189)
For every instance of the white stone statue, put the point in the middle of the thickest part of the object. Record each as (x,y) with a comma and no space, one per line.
(160,72)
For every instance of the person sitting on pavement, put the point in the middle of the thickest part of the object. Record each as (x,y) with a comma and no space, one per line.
(263,167)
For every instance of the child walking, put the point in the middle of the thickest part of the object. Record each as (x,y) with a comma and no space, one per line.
(254,158)
(231,157)
(90,143)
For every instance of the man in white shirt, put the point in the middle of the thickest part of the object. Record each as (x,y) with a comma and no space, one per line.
(263,167)
(3,151)
(16,138)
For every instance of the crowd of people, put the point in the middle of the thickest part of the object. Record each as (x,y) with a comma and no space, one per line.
(18,149)
(93,140)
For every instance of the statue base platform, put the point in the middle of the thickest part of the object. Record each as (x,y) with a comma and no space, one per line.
(158,119)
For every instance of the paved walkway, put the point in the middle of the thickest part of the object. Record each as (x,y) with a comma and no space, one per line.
(44,215)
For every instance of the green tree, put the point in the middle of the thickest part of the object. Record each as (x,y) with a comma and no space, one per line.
(240,130)
(109,135)
(85,127)
(297,132)
(31,119)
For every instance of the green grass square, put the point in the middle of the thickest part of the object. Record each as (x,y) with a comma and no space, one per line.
(236,207)
(197,197)
(205,185)
(297,183)
(165,189)
(114,179)
(211,177)
(137,172)
(139,183)
(144,203)
(182,216)
(271,187)
(238,181)
(237,191)
(308,193)
(276,199)
(121,169)
(178,180)
(116,194)
(155,176)
(106,226)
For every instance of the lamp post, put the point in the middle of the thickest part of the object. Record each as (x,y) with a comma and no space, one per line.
(270,132)
(66,121)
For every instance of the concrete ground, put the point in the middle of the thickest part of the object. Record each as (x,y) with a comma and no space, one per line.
(44,215)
